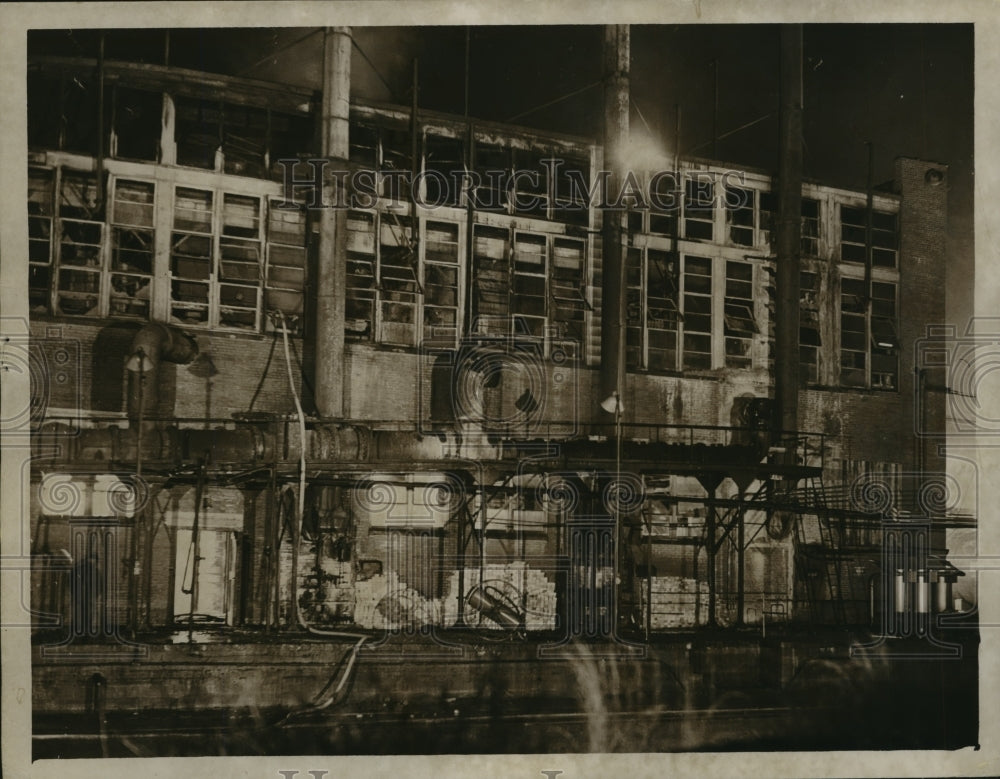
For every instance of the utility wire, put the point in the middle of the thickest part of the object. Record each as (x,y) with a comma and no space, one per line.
(281,50)
(392,92)
(567,96)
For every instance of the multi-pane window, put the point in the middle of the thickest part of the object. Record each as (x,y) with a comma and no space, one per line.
(528,302)
(382,284)
(491,288)
(740,322)
(809,328)
(651,311)
(664,204)
(697,312)
(868,341)
(853,223)
(533,285)
(132,248)
(699,208)
(191,255)
(441,282)
(397,283)
(41,183)
(287,235)
(81,241)
(884,338)
(809,244)
(360,283)
(568,302)
(853,334)
(740,215)
(240,261)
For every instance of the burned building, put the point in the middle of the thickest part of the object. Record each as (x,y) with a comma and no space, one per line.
(331,421)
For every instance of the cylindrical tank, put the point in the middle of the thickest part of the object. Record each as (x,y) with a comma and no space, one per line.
(923,593)
(942,592)
(900,591)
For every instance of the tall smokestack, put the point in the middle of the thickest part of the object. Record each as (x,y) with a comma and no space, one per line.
(789,229)
(332,265)
(616,114)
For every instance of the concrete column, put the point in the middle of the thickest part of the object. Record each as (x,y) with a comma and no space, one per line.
(332,261)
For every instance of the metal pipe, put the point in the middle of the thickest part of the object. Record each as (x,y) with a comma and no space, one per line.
(332,263)
(789,229)
(153,344)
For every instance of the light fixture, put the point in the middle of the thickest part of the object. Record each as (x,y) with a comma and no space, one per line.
(138,362)
(612,404)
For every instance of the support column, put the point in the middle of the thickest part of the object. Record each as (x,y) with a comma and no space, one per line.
(332,261)
(616,130)
(786,326)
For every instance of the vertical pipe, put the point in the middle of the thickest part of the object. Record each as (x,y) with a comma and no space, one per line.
(789,230)
(100,121)
(616,128)
(741,570)
(710,551)
(332,264)
(715,109)
(869,210)
(414,152)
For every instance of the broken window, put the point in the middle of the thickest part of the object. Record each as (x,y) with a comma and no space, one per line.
(529,288)
(809,242)
(360,302)
(444,168)
(40,216)
(491,283)
(137,122)
(132,248)
(397,283)
(572,184)
(44,110)
(569,301)
(531,182)
(853,222)
(198,131)
(740,215)
(286,263)
(244,140)
(291,136)
(441,283)
(396,163)
(81,242)
(699,208)
(809,331)
(191,255)
(697,313)
(492,167)
(853,334)
(79,115)
(738,314)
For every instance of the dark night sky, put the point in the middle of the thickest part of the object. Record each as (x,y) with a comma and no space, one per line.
(908,88)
